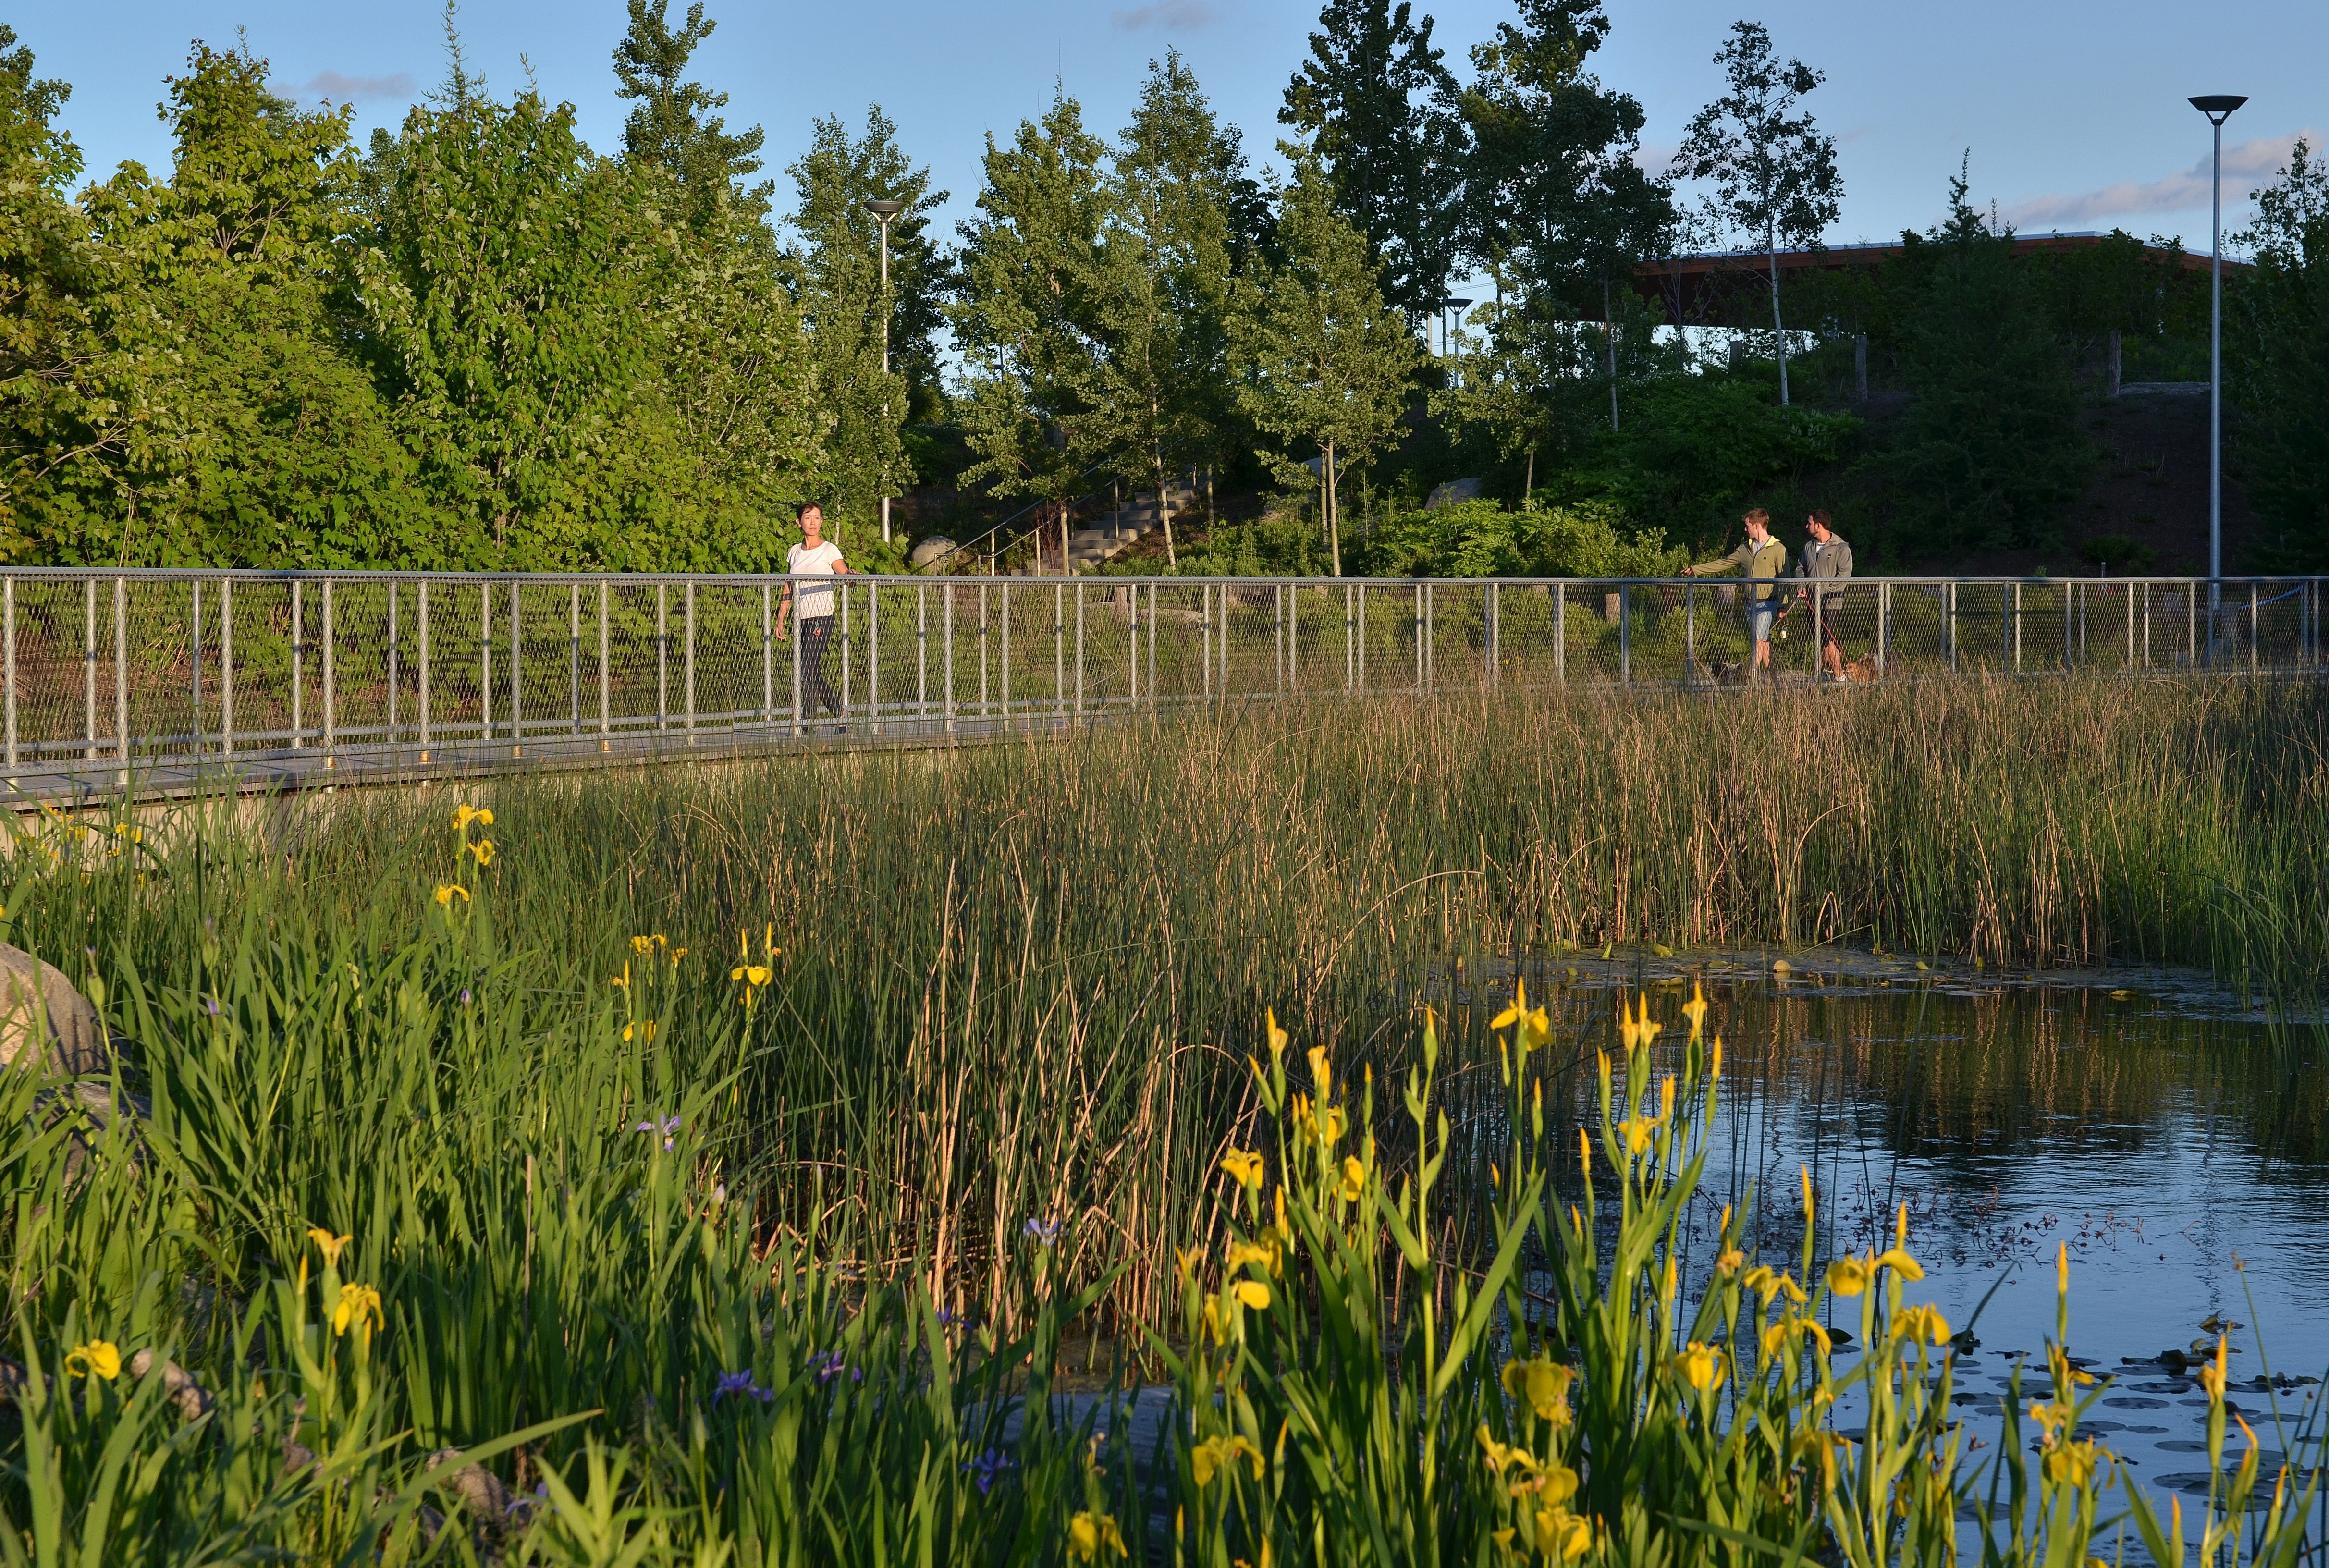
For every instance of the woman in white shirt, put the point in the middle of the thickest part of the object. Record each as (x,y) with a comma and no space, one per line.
(814,556)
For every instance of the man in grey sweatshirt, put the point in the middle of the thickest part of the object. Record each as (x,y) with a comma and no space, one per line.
(1826,557)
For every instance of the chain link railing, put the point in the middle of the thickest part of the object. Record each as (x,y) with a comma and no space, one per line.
(153,679)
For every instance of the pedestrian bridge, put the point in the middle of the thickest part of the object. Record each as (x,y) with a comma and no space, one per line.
(166,683)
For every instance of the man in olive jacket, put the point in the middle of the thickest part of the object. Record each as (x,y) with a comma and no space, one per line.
(1762,559)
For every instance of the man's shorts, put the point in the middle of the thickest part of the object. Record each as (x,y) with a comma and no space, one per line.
(1758,620)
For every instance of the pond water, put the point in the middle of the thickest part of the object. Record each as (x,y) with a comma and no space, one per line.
(2170,1135)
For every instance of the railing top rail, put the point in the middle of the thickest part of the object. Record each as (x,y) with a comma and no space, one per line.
(779,578)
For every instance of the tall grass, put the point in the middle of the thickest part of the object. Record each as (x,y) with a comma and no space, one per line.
(718,1262)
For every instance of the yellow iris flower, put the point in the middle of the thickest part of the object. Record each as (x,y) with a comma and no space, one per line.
(96,1358)
(1252,1293)
(1245,1166)
(1544,1382)
(328,1244)
(1216,1454)
(1701,1366)
(1849,1276)
(357,1308)
(1090,1533)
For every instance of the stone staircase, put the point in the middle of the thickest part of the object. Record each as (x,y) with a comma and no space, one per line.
(1121,529)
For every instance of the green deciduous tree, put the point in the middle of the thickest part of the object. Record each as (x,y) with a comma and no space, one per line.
(1025,321)
(2278,325)
(505,294)
(670,126)
(1378,105)
(1160,288)
(1558,211)
(837,271)
(1990,449)
(1773,170)
(1323,359)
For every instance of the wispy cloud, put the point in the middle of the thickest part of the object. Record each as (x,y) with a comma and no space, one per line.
(340,88)
(2246,165)
(1167,15)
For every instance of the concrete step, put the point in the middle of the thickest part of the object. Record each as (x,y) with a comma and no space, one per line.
(1123,528)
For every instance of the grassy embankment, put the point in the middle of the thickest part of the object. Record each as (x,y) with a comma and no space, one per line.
(983,1087)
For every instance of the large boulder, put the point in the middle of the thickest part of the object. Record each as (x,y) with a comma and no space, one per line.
(928,551)
(1453,492)
(50,1030)
(46,1026)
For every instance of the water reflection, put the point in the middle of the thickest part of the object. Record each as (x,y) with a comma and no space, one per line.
(2170,1138)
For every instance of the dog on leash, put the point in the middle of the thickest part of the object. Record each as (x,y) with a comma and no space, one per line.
(1862,668)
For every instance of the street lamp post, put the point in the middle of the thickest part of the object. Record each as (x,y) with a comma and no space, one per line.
(885,209)
(2218,107)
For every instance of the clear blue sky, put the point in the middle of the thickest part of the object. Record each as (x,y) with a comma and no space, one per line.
(2074,112)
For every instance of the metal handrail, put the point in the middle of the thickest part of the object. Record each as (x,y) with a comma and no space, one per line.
(105,672)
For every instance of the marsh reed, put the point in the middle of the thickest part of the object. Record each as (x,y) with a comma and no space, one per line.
(997,1053)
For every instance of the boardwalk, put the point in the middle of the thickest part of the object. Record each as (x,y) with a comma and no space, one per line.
(166,683)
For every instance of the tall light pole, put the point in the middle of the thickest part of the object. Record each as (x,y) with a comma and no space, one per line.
(885,209)
(1447,338)
(2218,107)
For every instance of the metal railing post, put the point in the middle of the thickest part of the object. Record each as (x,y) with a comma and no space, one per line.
(2191,626)
(922,655)
(8,634)
(1690,634)
(981,649)
(949,659)
(1005,591)
(2017,629)
(690,661)
(768,653)
(574,658)
(194,641)
(1883,628)
(1416,630)
(1294,639)
(1361,668)
(1132,644)
(1080,653)
(517,647)
(1560,633)
(1819,634)
(1624,634)
(394,632)
(1495,640)
(1278,640)
(2256,628)
(424,670)
(121,671)
(663,658)
(298,667)
(799,599)
(873,655)
(331,692)
(226,664)
(1949,627)
(843,596)
(1060,648)
(1152,646)
(1205,635)
(606,711)
(484,663)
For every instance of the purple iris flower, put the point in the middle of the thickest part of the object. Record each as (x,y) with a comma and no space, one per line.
(1046,1232)
(988,1468)
(669,1127)
(741,1384)
(830,1365)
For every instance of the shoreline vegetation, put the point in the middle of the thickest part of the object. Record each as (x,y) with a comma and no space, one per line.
(709,1166)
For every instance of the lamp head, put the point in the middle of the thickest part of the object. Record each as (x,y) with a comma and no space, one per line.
(2218,106)
(1457,304)
(883,207)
